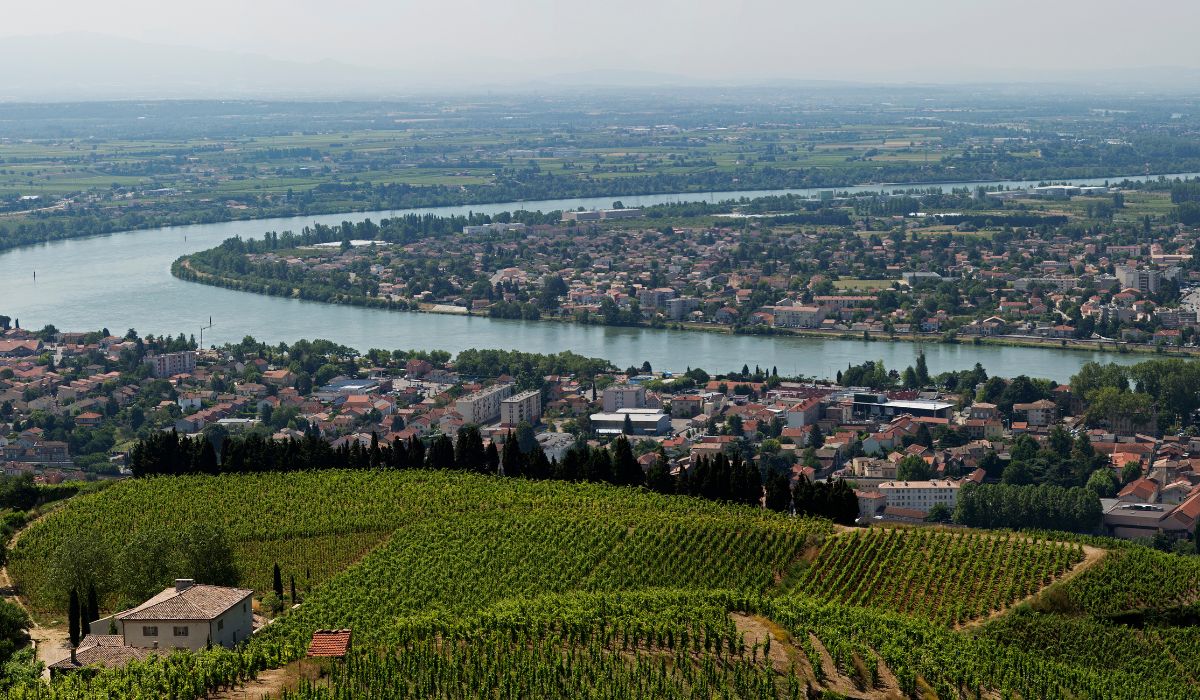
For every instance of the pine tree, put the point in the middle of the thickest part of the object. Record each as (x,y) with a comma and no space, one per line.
(73,617)
(277,581)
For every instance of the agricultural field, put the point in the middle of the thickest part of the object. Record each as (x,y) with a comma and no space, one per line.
(947,577)
(463,586)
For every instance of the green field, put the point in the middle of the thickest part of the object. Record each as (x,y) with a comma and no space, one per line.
(506,588)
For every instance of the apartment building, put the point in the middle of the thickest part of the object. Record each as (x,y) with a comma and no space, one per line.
(525,406)
(171,363)
(920,495)
(483,406)
(620,396)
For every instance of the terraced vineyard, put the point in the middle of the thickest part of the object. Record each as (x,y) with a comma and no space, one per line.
(504,588)
(947,577)
(318,523)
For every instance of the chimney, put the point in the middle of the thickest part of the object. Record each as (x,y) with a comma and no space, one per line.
(182,584)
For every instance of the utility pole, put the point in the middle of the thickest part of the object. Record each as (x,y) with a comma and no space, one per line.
(204,328)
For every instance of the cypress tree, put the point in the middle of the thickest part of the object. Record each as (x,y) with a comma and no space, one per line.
(626,469)
(293,584)
(277,581)
(511,458)
(468,450)
(658,476)
(441,453)
(779,494)
(93,609)
(492,459)
(539,467)
(73,615)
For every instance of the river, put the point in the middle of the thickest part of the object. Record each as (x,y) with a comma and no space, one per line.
(123,281)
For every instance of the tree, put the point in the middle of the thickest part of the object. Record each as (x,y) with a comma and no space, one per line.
(627,428)
(14,623)
(1132,471)
(913,468)
(626,470)
(492,459)
(441,453)
(779,493)
(526,437)
(73,617)
(816,439)
(510,459)
(92,611)
(208,556)
(277,581)
(939,513)
(1103,483)
(922,370)
(745,482)
(658,476)
(1017,473)
(468,450)
(293,586)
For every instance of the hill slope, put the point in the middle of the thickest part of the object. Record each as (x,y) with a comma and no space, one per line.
(509,588)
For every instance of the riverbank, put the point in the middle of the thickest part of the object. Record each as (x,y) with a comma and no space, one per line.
(493,205)
(182,269)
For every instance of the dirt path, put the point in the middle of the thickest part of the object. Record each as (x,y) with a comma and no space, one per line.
(270,683)
(758,630)
(786,658)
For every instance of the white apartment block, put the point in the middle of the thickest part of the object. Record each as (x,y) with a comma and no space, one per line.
(920,495)
(525,406)
(620,396)
(483,406)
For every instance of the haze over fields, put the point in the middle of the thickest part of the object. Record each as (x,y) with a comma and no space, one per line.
(133,48)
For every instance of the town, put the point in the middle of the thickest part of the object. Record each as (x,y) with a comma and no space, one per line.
(75,405)
(1087,267)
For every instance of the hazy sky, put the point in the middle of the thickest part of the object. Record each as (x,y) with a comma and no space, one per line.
(507,40)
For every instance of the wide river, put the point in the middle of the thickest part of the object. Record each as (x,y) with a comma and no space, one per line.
(124,281)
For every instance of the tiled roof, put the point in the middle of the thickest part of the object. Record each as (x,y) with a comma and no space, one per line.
(197,602)
(330,643)
(107,650)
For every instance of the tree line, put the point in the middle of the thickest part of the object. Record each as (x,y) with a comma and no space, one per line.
(1042,507)
(720,478)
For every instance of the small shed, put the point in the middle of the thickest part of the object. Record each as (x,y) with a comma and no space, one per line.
(329,644)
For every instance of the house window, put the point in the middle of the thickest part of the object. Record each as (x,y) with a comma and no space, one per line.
(220,625)
(181,631)
(149,631)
